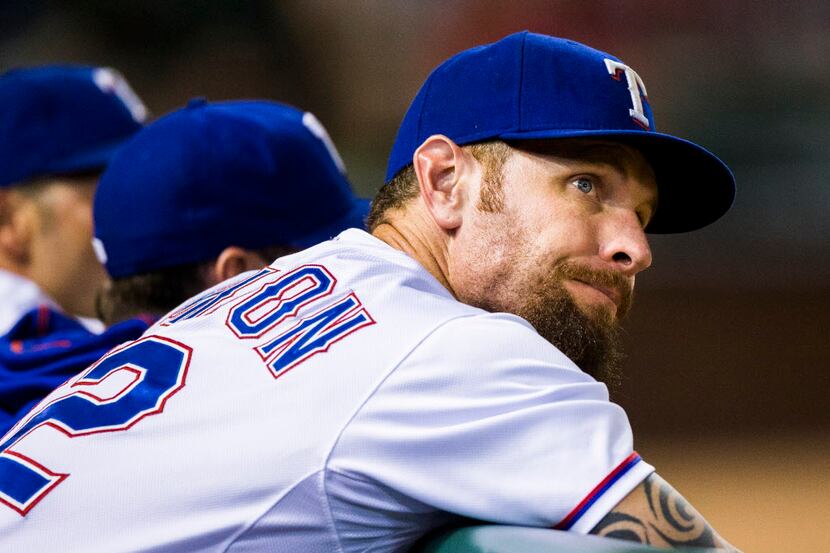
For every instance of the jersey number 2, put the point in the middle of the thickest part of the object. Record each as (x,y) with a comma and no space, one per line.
(125,386)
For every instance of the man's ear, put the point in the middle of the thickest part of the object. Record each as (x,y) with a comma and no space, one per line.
(16,227)
(443,171)
(234,261)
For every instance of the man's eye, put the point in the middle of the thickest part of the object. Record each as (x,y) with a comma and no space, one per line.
(584,185)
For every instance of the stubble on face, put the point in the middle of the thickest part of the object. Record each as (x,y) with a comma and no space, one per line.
(589,335)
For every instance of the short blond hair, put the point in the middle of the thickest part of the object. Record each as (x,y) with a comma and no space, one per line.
(404,186)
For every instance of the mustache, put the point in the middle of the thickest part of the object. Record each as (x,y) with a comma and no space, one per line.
(600,278)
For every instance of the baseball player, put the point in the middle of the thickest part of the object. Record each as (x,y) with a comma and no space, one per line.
(59,126)
(354,395)
(162,228)
(211,191)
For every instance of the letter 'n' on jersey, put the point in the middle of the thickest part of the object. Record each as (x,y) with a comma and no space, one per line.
(314,334)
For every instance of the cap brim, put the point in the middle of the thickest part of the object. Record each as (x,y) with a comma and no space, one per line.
(695,188)
(354,218)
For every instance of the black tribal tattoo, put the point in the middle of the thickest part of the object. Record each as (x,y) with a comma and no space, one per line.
(669,519)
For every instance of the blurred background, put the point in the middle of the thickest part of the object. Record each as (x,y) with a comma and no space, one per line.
(727,384)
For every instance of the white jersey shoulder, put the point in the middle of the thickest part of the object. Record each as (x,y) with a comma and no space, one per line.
(338,400)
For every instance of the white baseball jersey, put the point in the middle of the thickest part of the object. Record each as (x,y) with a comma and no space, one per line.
(338,400)
(18,296)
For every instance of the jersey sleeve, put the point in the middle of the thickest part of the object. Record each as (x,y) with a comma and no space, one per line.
(485,419)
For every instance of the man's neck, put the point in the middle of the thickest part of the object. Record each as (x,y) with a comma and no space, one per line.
(416,241)
(12,264)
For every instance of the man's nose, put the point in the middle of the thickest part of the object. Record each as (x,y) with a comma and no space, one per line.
(625,244)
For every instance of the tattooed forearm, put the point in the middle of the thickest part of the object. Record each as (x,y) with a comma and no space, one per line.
(674,520)
(622,527)
(656,514)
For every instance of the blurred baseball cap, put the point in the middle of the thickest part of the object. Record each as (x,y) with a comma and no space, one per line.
(248,173)
(528,86)
(61,119)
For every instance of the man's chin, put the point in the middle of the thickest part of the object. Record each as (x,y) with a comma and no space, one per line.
(588,335)
(599,314)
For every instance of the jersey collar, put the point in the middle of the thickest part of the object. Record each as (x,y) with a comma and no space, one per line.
(19,296)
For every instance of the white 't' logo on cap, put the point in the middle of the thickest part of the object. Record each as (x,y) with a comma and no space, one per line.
(635,88)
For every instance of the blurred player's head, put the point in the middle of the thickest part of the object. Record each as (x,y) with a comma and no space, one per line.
(210,191)
(59,127)
(541,186)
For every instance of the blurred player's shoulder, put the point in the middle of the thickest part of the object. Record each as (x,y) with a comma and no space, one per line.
(44,349)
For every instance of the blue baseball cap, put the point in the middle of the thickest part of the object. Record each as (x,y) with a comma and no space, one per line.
(529,86)
(60,120)
(252,174)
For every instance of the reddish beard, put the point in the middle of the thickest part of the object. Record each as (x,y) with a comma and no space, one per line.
(589,336)
(569,270)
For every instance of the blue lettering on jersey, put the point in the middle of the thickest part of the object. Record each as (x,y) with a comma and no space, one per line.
(278,300)
(314,334)
(114,394)
(205,304)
